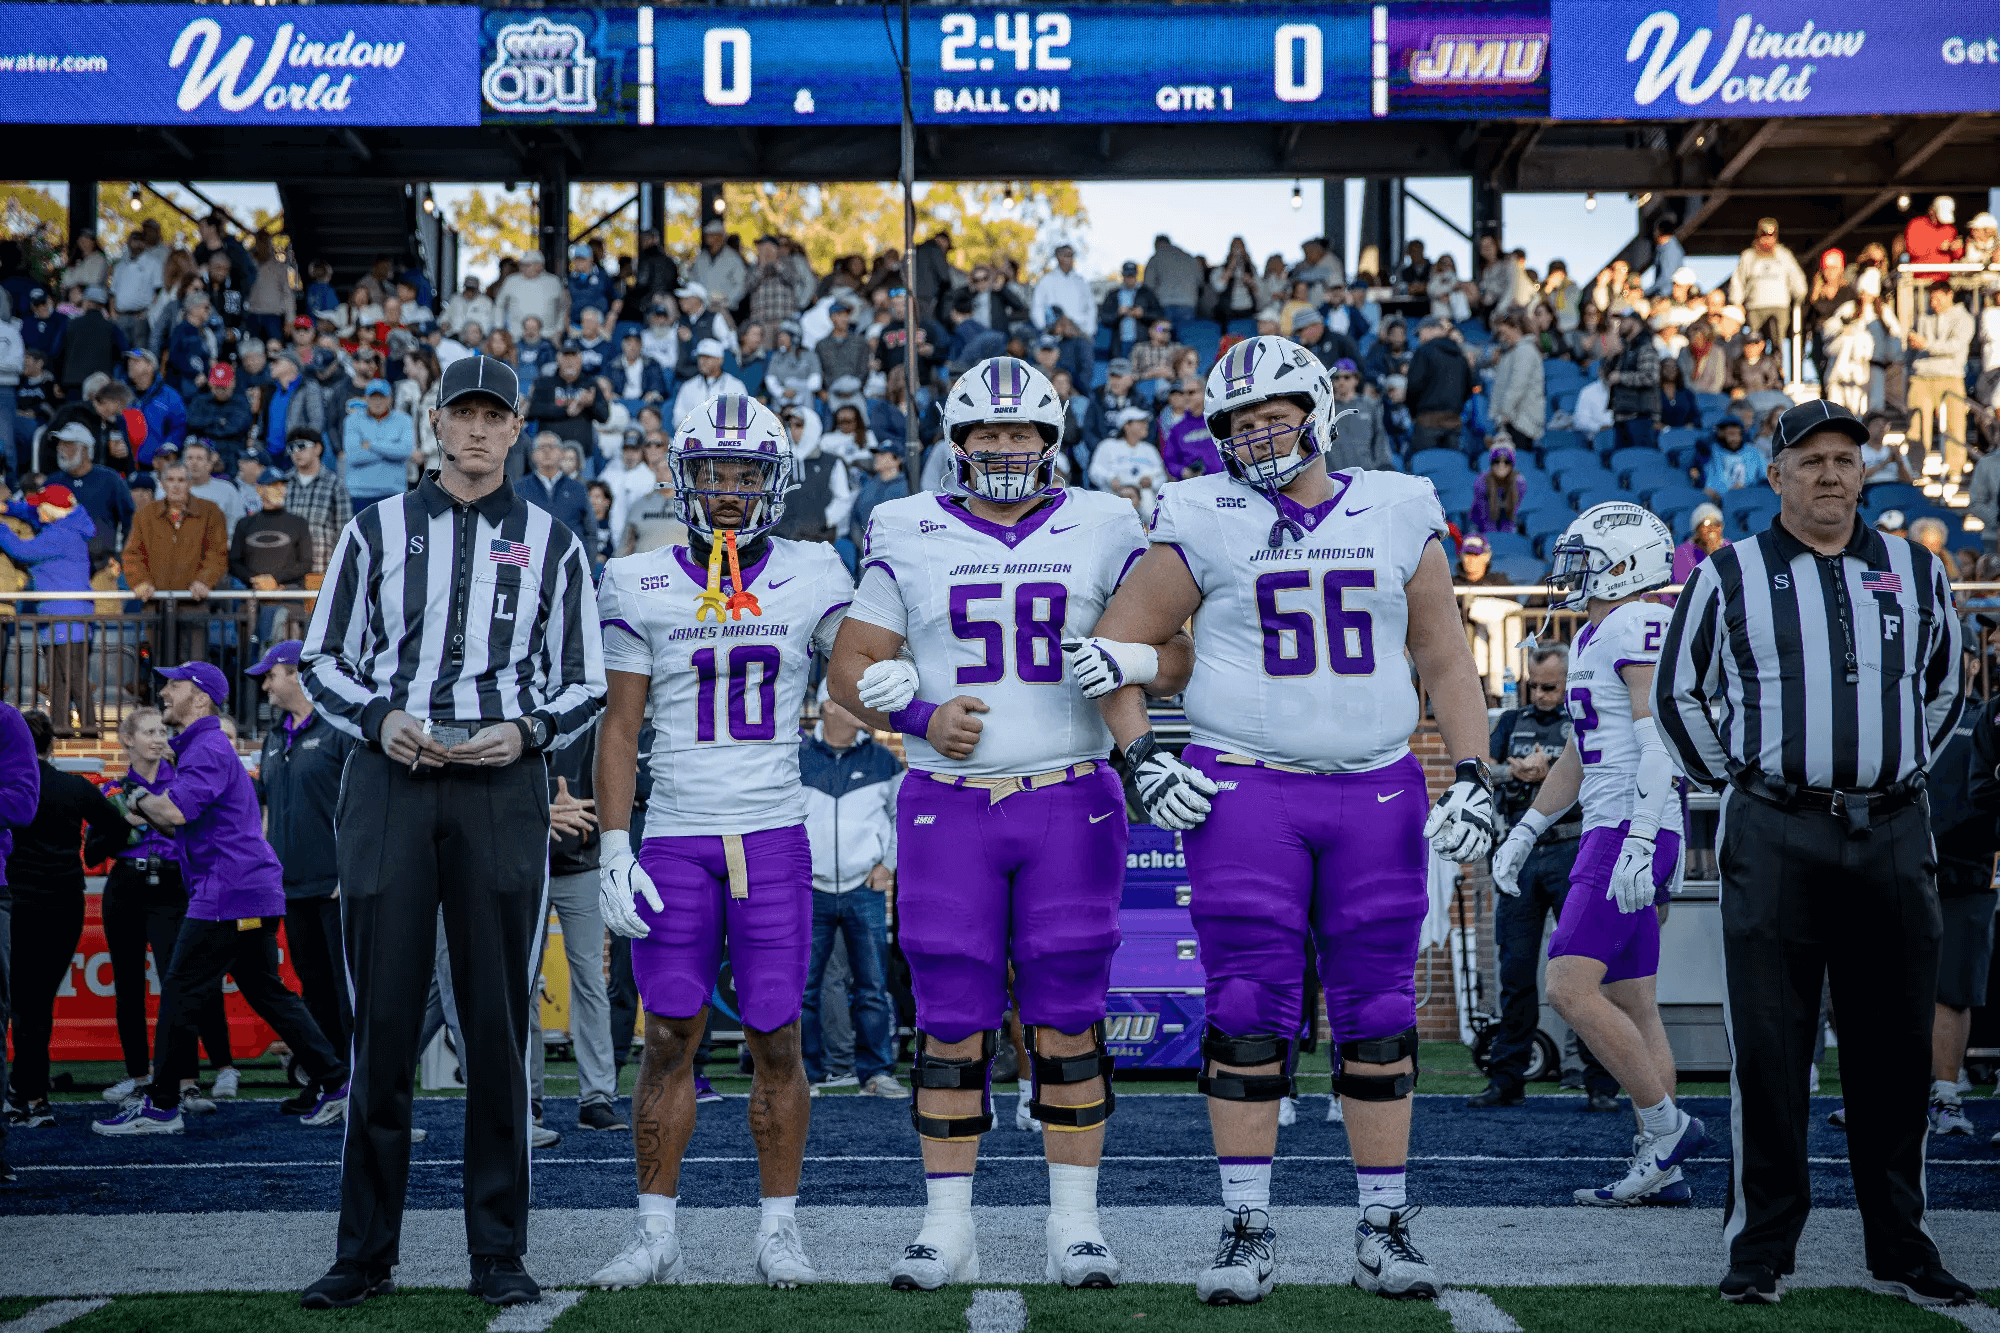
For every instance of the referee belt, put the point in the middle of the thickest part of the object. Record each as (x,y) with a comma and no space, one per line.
(1857,808)
(999,789)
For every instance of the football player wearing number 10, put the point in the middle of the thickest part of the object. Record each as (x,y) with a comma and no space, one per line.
(1010,837)
(1306,588)
(1605,954)
(715,653)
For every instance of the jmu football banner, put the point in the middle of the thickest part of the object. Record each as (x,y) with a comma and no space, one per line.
(1642,59)
(239,64)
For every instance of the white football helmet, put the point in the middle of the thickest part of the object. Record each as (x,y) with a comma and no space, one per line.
(1611,550)
(731,428)
(1255,371)
(998,390)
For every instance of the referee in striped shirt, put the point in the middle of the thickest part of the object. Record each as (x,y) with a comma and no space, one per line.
(1815,670)
(456,634)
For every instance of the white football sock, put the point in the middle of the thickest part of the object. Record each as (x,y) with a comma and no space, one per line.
(1073,1193)
(948,1199)
(1944,1090)
(656,1211)
(1380,1186)
(1662,1119)
(775,1211)
(1246,1182)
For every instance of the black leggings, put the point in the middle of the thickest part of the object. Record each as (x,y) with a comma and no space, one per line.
(47,926)
(138,915)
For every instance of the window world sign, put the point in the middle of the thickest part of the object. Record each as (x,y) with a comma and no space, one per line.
(1634,59)
(239,64)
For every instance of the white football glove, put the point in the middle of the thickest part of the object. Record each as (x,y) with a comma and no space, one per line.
(888,687)
(1462,823)
(1509,858)
(1174,792)
(620,880)
(1103,665)
(1632,886)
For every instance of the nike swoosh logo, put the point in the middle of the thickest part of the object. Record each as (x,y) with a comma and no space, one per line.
(1100,818)
(776,584)
(1244,1181)
(1384,800)
(1058,531)
(1376,1269)
(1350,513)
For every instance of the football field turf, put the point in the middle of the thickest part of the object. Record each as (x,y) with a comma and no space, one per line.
(215,1230)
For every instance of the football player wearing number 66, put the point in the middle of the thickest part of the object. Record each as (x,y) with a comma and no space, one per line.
(1010,828)
(1605,954)
(713,642)
(1306,589)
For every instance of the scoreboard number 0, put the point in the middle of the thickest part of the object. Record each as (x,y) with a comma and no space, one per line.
(1299,59)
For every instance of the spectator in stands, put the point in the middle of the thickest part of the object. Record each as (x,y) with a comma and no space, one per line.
(654,520)
(1704,539)
(1704,362)
(1519,397)
(234,878)
(1634,379)
(1669,256)
(1985,495)
(654,276)
(88,265)
(1943,340)
(532,291)
(1362,439)
(57,557)
(1440,383)
(1390,354)
(1932,238)
(1732,463)
(207,483)
(469,304)
(1930,533)
(1882,461)
(588,287)
(568,404)
(135,280)
(930,335)
(1127,308)
(378,441)
(103,494)
(1498,273)
(710,381)
(1153,360)
(549,487)
(1767,282)
(851,784)
(1497,496)
(164,408)
(1592,412)
(1832,291)
(1320,269)
(192,346)
(535,355)
(717,267)
(1475,562)
(1063,288)
(772,288)
(1756,375)
(1679,409)
(1186,448)
(753,360)
(45,881)
(791,373)
(635,378)
(270,302)
(316,494)
(885,481)
(272,550)
(219,416)
(1126,465)
(591,341)
(842,352)
(1175,277)
(1593,339)
(1309,331)
(1235,283)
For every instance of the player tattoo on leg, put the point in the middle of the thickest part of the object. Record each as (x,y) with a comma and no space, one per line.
(780,1108)
(663,1101)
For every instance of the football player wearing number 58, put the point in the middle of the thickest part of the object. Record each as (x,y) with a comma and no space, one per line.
(1303,805)
(1010,828)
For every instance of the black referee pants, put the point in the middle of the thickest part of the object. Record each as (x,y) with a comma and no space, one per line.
(1802,900)
(476,842)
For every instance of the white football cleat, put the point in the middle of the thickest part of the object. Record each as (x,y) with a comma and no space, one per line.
(1078,1256)
(781,1257)
(1385,1262)
(1245,1267)
(942,1253)
(1671,1192)
(653,1256)
(1024,1122)
(1658,1155)
(1334,1115)
(139,1117)
(1288,1111)
(228,1082)
(124,1090)
(1950,1118)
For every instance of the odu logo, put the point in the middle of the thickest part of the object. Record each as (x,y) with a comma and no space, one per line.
(540,67)
(1231,502)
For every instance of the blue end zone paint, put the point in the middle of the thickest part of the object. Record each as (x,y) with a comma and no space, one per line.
(590,1170)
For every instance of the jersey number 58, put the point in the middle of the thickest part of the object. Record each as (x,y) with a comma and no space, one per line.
(1039,612)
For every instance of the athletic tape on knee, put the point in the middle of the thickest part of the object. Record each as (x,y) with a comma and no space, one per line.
(1063,1069)
(1377,1051)
(935,1071)
(1219,1048)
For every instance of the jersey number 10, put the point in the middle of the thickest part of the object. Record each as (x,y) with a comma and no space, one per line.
(1350,635)
(741,658)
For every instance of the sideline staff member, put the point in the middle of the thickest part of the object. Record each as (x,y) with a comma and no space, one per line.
(1832,651)
(456,634)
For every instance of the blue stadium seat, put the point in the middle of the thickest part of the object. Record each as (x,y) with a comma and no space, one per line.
(1546,517)
(1748,510)
(1605,441)
(1557,440)
(1630,457)
(1524,569)
(1430,462)
(1683,456)
(1555,460)
(1650,475)
(1712,406)
(1893,495)
(1454,491)
(1595,495)
(1474,333)
(1672,502)
(1678,437)
(1510,544)
(1242,328)
(1105,335)
(1562,400)
(1561,370)
(1100,371)
(1205,336)
(1583,474)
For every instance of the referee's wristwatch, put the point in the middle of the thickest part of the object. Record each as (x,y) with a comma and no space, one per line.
(534,733)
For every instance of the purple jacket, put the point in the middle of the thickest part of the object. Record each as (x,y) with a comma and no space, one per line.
(151,841)
(231,872)
(1186,443)
(20,780)
(1481,519)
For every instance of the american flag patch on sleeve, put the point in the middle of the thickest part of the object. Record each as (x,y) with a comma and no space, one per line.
(1880,580)
(504,552)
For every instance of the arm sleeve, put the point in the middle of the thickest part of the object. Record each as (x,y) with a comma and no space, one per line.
(1419,518)
(625,645)
(879,601)
(1689,675)
(339,638)
(198,781)
(1944,692)
(20,775)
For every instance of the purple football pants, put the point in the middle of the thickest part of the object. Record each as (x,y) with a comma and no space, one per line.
(1339,856)
(1035,878)
(1591,926)
(769,930)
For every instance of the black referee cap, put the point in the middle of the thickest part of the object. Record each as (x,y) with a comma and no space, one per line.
(479,374)
(1808,418)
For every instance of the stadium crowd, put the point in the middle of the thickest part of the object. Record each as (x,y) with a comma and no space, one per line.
(210,418)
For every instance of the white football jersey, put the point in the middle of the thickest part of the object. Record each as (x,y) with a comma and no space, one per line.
(1299,650)
(1600,709)
(725,698)
(984,610)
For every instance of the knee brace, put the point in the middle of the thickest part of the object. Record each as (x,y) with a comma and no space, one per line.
(934,1071)
(1219,1047)
(1056,1069)
(1377,1051)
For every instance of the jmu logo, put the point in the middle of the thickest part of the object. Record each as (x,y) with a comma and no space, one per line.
(1130,1029)
(1457,59)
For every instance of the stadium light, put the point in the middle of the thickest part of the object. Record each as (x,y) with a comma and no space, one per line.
(1902,203)
(1933,489)
(1934,465)
(1298,197)
(132,200)
(1590,202)
(1973,522)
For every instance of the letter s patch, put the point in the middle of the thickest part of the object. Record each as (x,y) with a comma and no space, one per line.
(417,545)
(1781,581)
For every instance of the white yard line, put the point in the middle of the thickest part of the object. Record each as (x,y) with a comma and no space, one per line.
(996,1312)
(535,1317)
(52,1315)
(1979,1318)
(1475,1312)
